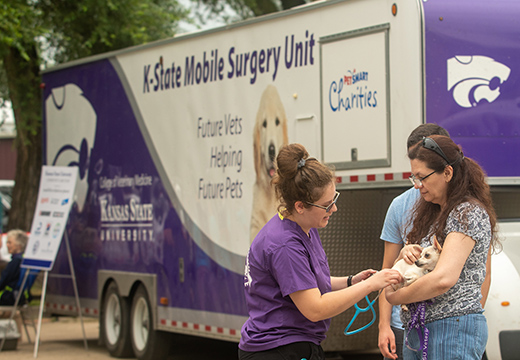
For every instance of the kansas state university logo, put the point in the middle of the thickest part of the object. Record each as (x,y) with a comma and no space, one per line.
(475,78)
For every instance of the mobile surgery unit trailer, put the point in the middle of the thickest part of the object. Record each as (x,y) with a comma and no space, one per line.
(175,141)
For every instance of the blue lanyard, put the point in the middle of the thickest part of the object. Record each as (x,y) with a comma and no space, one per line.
(362,310)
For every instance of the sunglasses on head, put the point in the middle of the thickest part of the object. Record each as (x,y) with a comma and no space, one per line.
(430,144)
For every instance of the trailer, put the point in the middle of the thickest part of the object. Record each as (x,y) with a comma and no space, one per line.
(175,141)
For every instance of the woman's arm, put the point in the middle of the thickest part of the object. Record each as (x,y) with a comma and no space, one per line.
(316,307)
(386,341)
(455,252)
(338,283)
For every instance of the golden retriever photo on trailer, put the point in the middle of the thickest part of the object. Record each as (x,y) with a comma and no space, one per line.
(269,135)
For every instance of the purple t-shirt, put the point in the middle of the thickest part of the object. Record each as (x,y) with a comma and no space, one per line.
(282,260)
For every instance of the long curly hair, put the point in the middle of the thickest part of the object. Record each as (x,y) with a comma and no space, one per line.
(299,178)
(468,184)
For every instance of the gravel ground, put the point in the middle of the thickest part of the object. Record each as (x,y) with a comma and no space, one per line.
(63,340)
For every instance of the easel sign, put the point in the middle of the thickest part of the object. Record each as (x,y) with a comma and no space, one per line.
(55,197)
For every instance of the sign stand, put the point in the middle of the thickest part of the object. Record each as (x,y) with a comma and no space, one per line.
(55,197)
(44,292)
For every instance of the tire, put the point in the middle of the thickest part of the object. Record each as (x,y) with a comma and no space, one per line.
(115,319)
(147,342)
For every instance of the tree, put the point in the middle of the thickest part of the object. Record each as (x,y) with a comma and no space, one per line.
(35,33)
(244,9)
(19,31)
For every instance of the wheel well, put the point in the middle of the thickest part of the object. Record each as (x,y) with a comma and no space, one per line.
(127,284)
(131,293)
(134,287)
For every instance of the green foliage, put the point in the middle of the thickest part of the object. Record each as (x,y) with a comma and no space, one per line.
(20,22)
(245,9)
(63,30)
(87,27)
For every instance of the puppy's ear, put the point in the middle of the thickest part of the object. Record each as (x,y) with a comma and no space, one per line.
(436,244)
(284,129)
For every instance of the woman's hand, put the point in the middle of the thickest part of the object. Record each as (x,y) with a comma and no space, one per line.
(362,275)
(385,277)
(410,253)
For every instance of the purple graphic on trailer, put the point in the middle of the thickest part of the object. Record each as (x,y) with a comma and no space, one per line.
(472,80)
(122,218)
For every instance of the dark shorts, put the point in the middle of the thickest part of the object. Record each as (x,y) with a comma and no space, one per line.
(294,351)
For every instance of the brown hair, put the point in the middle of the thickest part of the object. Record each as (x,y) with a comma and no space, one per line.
(299,178)
(424,130)
(468,184)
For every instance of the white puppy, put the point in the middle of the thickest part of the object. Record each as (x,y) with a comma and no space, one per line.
(425,264)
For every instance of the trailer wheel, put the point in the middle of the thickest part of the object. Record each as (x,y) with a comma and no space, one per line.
(147,342)
(115,316)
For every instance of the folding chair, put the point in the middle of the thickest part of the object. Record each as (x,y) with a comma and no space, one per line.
(23,297)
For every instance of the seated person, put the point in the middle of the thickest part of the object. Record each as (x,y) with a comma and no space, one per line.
(4,255)
(16,243)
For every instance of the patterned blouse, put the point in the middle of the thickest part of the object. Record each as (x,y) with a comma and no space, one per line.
(464,297)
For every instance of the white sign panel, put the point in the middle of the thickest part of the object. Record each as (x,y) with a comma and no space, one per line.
(354,97)
(55,197)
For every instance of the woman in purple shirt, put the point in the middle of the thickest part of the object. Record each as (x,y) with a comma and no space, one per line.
(288,288)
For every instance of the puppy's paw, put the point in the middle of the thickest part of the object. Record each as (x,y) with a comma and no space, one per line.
(397,286)
(410,278)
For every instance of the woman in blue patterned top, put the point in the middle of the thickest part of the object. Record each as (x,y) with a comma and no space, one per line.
(445,320)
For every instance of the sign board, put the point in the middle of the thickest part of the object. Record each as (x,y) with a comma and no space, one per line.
(355,105)
(55,197)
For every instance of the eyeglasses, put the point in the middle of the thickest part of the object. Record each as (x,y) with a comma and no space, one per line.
(418,181)
(326,208)
(430,144)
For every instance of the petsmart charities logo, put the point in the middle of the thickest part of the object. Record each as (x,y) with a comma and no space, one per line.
(355,77)
(352,91)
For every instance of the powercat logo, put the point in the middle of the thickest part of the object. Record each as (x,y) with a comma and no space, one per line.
(475,78)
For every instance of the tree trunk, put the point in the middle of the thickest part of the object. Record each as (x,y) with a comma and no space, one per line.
(23,80)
